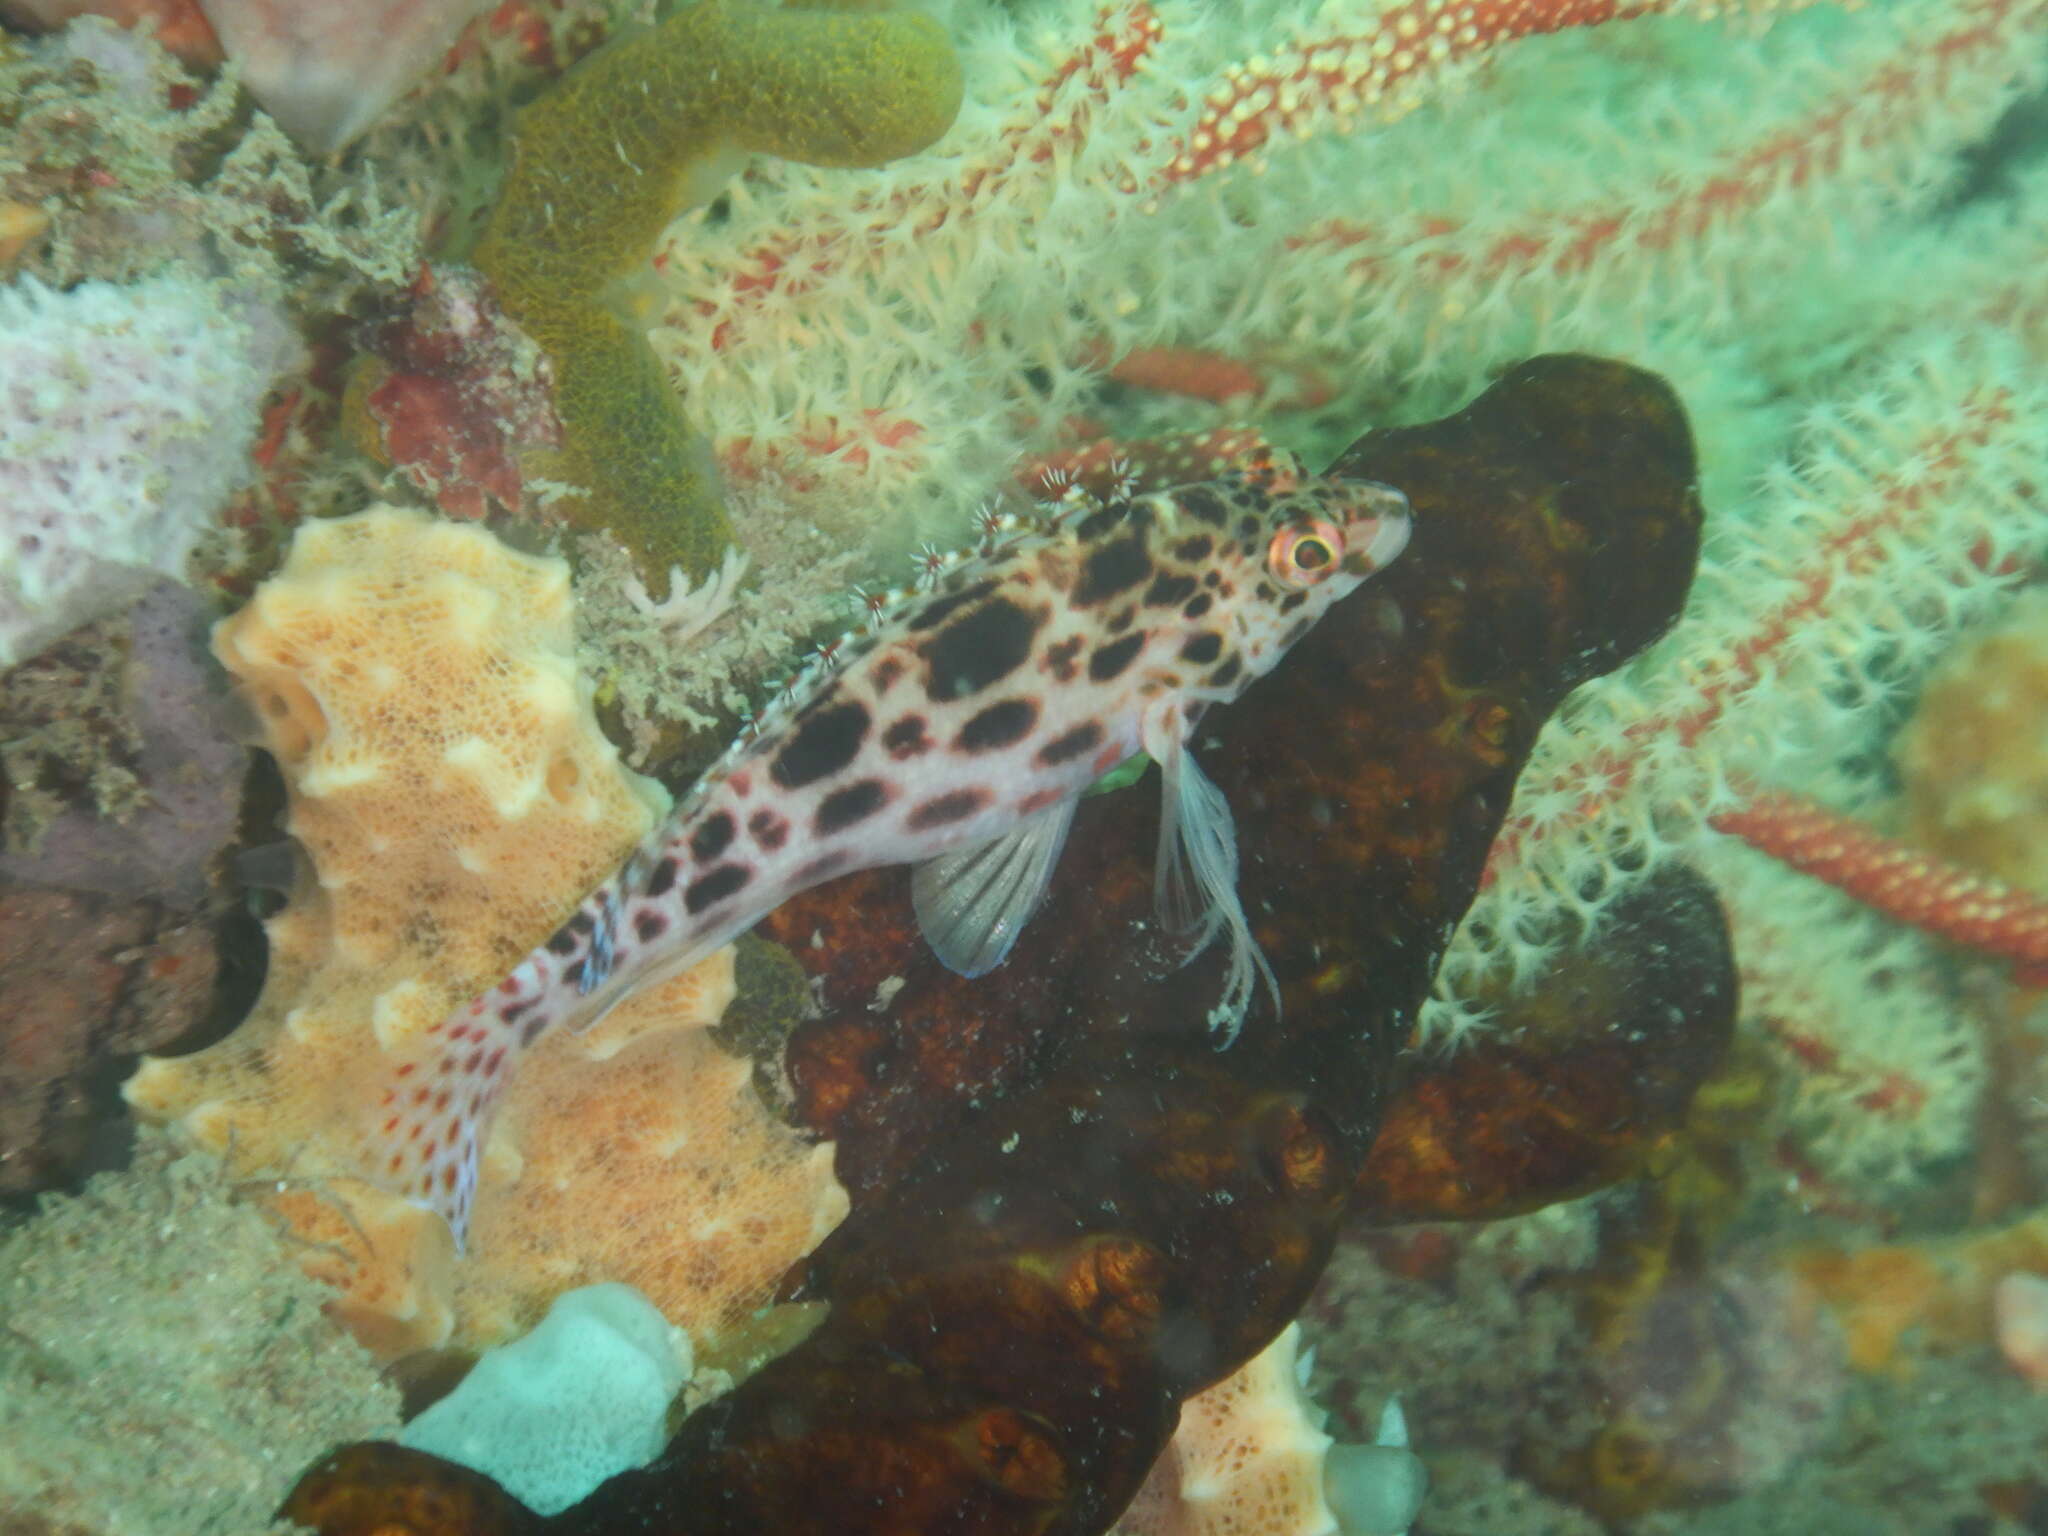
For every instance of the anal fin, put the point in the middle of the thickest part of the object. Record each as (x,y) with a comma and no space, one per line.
(971,905)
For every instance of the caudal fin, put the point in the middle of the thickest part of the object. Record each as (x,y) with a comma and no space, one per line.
(434,1114)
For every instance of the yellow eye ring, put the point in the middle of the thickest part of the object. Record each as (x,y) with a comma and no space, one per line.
(1303,553)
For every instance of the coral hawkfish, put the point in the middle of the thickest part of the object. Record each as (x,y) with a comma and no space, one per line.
(956,733)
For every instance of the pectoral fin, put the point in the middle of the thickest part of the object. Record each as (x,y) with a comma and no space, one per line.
(1195,880)
(971,905)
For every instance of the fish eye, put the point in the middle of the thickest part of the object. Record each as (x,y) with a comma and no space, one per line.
(1302,554)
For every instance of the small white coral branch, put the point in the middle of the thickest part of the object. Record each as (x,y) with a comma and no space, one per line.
(689,610)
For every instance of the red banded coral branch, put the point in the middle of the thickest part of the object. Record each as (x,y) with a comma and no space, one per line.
(1813,577)
(1891,112)
(1324,83)
(1903,883)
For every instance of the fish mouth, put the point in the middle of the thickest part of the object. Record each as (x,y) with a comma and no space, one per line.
(1373,543)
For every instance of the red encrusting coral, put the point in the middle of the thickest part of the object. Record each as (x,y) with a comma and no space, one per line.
(453,393)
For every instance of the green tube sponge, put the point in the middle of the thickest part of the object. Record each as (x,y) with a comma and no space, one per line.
(611,154)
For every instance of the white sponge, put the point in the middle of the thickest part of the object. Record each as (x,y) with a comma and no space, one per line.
(126,418)
(582,1398)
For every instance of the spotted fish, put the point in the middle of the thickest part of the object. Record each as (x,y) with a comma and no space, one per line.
(955,733)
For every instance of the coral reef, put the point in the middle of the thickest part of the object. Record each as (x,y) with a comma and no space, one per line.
(124,776)
(452,798)
(1786,225)
(1249,1459)
(119,165)
(1548,1110)
(1976,788)
(1154,220)
(327,73)
(604,160)
(89,979)
(415,682)
(129,162)
(1475,1326)
(641,1152)
(163,1366)
(1081,1229)
(451,392)
(179,25)
(125,422)
(1958,1446)
(121,789)
(1900,1302)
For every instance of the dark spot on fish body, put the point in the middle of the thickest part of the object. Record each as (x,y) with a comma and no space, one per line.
(1097,524)
(649,926)
(822,745)
(574,973)
(1213,580)
(582,922)
(907,738)
(769,830)
(711,839)
(1061,660)
(1197,605)
(850,806)
(724,881)
(1295,631)
(1203,648)
(939,609)
(1116,567)
(1195,549)
(979,648)
(1168,590)
(563,941)
(662,878)
(1226,674)
(1292,601)
(944,810)
(1069,745)
(1112,659)
(1247,529)
(1204,506)
(533,1030)
(886,674)
(1000,725)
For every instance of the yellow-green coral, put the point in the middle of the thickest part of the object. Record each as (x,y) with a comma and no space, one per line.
(604,161)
